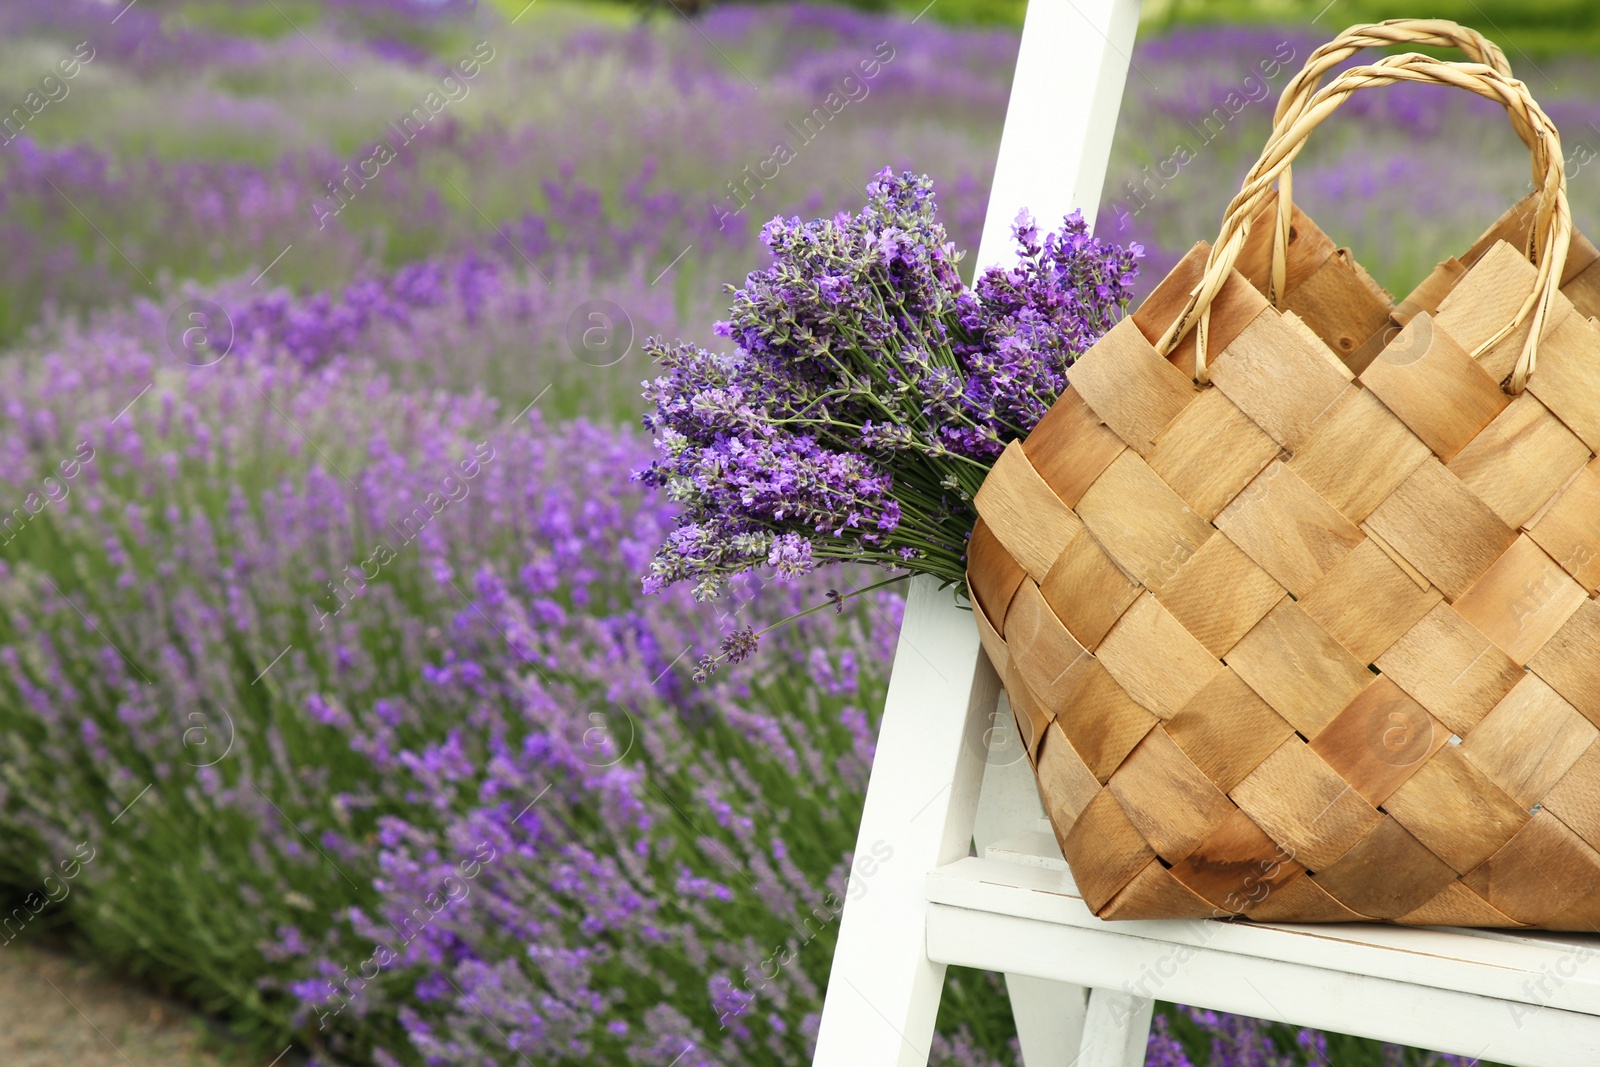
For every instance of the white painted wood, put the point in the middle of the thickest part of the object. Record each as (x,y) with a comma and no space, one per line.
(883,991)
(1462,1023)
(1561,971)
(1050,1020)
(1116,1029)
(1031,848)
(1048,1015)
(1547,968)
(1010,801)
(1524,999)
(1071,69)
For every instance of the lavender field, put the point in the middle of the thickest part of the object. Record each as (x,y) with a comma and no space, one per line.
(330,701)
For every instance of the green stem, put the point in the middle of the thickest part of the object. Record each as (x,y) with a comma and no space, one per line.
(834,603)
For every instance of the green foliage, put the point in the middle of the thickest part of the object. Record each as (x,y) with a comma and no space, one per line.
(248,19)
(956,12)
(975,1001)
(1537,27)
(973,12)
(1531,27)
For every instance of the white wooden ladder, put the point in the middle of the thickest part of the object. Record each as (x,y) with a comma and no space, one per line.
(949,774)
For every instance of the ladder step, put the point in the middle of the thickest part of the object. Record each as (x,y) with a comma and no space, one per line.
(1031,848)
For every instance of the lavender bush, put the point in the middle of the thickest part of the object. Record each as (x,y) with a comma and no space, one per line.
(580,148)
(300,704)
(465,322)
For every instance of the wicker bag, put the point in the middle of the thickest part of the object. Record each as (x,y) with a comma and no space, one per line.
(1313,640)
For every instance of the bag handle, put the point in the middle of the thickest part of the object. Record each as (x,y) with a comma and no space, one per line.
(1552,231)
(1297,94)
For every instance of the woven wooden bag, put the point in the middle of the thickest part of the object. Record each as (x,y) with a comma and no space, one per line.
(1291,592)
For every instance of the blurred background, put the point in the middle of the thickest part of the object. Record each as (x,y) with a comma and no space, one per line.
(335,728)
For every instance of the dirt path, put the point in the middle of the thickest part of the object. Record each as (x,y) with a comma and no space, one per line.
(58,1011)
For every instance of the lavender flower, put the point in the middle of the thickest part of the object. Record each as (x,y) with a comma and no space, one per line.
(869,390)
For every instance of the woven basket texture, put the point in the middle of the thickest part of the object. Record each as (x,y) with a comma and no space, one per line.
(1316,641)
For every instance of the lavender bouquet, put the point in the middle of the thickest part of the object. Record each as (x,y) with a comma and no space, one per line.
(868,393)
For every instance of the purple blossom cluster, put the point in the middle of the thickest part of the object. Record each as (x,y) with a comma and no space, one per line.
(1193,1037)
(468,322)
(138,38)
(1066,290)
(148,38)
(869,389)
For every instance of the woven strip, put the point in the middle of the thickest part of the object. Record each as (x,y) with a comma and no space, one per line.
(1316,643)
(1298,94)
(1552,222)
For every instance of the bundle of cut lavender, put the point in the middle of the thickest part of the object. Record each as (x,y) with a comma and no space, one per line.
(868,392)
